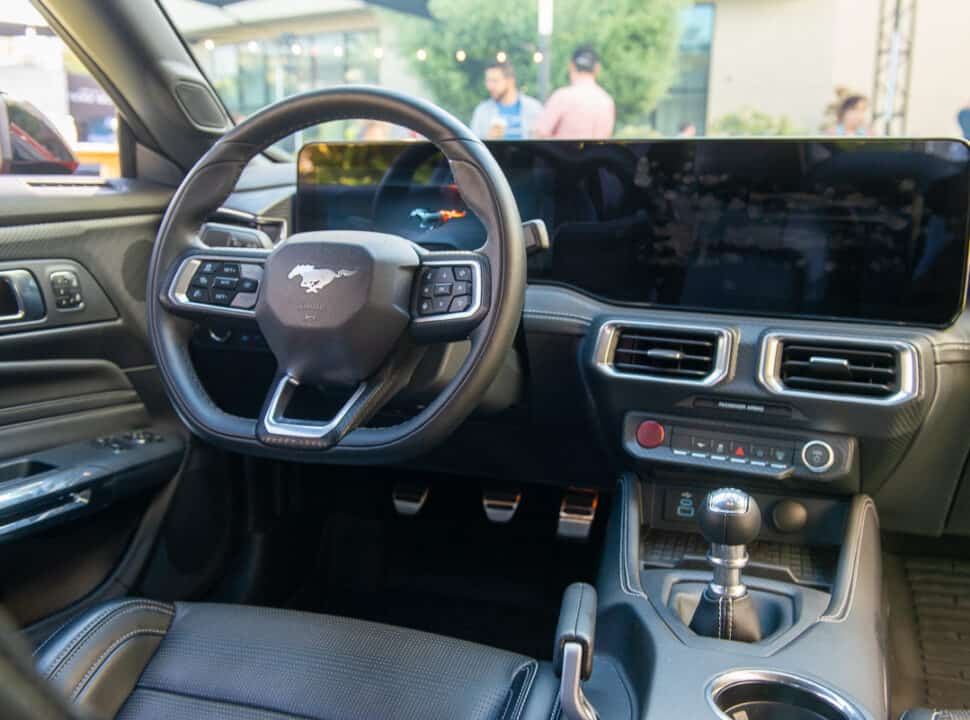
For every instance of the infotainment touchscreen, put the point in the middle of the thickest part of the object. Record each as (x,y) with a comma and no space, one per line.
(865,229)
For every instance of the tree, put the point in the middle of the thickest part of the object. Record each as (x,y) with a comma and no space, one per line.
(636,40)
(753,123)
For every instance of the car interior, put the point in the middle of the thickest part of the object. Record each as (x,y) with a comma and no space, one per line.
(457,429)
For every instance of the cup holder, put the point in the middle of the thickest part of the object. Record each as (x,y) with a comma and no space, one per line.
(769,695)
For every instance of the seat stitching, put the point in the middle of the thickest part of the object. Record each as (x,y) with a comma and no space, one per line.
(101,614)
(111,648)
(555,707)
(508,699)
(93,625)
(62,659)
(532,669)
(97,624)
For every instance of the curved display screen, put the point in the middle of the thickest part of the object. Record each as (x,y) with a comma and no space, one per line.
(862,229)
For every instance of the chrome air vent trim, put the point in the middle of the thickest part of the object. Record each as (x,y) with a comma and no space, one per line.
(609,334)
(908,372)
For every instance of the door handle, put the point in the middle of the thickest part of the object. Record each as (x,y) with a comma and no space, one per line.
(20,297)
(76,501)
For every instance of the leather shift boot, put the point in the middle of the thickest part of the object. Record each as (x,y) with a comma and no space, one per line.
(726,618)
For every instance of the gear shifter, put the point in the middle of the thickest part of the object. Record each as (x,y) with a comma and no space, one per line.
(730,519)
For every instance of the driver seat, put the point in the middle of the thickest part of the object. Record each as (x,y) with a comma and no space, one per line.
(137,659)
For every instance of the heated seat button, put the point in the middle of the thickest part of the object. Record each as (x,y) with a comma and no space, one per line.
(650,434)
(720,447)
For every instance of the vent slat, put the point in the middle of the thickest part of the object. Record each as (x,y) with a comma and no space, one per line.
(826,367)
(662,353)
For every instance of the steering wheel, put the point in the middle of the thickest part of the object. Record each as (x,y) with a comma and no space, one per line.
(338,308)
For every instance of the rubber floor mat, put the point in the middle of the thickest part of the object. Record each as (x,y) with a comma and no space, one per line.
(940,592)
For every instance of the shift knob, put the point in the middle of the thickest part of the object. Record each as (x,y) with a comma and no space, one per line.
(729,516)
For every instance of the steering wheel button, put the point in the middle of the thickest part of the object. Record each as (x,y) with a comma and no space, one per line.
(248,285)
(462,288)
(209,268)
(650,434)
(463,272)
(425,307)
(442,289)
(225,283)
(443,275)
(230,269)
(221,297)
(202,281)
(427,291)
(199,294)
(440,304)
(460,304)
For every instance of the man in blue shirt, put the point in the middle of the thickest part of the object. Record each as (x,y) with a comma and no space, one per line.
(507,114)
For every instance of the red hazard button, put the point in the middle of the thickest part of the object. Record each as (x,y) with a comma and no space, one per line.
(650,434)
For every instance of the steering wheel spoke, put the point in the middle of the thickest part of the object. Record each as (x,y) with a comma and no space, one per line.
(367,399)
(450,297)
(215,283)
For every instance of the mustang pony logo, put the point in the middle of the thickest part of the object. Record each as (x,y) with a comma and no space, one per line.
(314,279)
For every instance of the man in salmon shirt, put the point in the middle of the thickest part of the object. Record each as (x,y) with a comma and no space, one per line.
(583,110)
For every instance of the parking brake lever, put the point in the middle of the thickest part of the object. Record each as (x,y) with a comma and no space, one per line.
(573,655)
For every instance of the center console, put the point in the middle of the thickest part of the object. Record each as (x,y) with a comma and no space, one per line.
(714,616)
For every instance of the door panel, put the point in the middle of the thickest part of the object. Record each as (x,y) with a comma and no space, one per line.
(81,497)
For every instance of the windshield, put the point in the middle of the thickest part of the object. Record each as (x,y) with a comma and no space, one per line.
(584,69)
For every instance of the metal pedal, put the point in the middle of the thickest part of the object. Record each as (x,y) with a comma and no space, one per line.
(409,498)
(576,513)
(501,505)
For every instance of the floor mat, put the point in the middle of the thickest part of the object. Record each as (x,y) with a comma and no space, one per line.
(449,570)
(935,604)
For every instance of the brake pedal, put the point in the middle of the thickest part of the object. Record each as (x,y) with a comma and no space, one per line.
(409,498)
(577,511)
(501,505)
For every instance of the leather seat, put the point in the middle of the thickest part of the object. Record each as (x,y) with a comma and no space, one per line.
(144,659)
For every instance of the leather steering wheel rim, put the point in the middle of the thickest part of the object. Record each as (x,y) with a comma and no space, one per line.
(485,191)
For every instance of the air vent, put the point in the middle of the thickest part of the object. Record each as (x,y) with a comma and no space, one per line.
(666,353)
(868,370)
(848,368)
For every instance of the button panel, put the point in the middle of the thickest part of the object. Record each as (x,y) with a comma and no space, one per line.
(446,290)
(226,284)
(725,448)
(768,453)
(66,287)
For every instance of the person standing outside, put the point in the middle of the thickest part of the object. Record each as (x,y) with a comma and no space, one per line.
(852,117)
(507,114)
(582,110)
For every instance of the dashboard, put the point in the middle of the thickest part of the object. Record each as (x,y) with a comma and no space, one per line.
(846,229)
(783,314)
